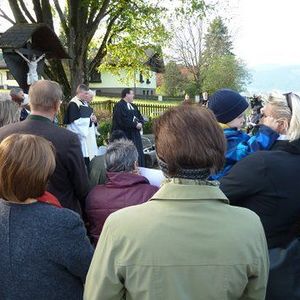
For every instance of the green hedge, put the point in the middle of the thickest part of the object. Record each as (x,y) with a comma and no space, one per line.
(104,129)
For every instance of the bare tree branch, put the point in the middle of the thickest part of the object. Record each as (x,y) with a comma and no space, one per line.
(38,11)
(100,54)
(101,14)
(92,13)
(6,17)
(188,48)
(18,15)
(61,17)
(27,13)
(47,14)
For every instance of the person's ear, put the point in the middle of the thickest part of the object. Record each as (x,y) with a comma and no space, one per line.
(136,168)
(57,105)
(283,126)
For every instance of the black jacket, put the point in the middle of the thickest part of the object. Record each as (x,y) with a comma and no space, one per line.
(268,183)
(126,120)
(69,182)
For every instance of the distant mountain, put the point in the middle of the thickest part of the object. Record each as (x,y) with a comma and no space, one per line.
(266,78)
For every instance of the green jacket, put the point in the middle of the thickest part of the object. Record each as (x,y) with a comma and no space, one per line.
(187,243)
(97,171)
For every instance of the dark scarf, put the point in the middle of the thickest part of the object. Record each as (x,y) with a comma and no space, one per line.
(200,174)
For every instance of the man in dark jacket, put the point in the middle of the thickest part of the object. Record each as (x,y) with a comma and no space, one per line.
(127,117)
(69,183)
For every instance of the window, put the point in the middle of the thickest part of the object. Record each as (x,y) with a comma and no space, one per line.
(96,77)
(148,81)
(9,76)
(141,78)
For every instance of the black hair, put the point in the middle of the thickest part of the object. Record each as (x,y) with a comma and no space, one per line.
(117,135)
(125,92)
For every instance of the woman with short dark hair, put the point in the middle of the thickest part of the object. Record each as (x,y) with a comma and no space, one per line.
(45,252)
(187,242)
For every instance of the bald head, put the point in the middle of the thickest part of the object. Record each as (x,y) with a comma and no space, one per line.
(45,96)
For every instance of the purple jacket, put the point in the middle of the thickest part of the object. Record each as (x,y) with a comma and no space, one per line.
(121,190)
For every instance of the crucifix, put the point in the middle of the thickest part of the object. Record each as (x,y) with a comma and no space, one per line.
(32,63)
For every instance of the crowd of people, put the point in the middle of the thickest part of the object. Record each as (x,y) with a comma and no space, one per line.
(223,224)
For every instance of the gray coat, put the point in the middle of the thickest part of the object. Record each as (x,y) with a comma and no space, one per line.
(45,252)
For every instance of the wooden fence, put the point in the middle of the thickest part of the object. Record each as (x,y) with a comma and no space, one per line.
(148,110)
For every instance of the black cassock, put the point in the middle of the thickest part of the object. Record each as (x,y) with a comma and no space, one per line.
(125,118)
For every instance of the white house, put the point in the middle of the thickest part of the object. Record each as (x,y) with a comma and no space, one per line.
(104,83)
(6,79)
(109,84)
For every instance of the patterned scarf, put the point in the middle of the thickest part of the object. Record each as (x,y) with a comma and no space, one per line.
(200,174)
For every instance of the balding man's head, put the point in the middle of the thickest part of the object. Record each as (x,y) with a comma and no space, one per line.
(45,95)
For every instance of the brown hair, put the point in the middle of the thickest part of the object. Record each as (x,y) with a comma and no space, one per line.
(26,163)
(82,88)
(189,137)
(45,95)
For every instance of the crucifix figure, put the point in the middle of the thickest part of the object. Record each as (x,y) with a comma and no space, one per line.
(32,74)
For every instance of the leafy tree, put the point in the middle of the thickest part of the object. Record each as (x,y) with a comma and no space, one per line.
(173,81)
(221,68)
(116,29)
(217,40)
(225,72)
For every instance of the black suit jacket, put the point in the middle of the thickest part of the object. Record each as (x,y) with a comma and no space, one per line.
(126,120)
(69,182)
(267,182)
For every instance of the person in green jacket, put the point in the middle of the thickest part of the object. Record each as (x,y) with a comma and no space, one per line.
(187,242)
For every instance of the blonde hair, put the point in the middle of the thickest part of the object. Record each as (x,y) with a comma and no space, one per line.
(289,113)
(294,129)
(9,110)
(26,163)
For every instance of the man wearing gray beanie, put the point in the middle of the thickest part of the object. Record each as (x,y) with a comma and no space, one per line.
(229,108)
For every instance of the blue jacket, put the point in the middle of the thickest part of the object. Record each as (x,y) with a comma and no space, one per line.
(240,144)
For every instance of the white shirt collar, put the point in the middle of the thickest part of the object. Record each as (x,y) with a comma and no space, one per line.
(282,137)
(129,106)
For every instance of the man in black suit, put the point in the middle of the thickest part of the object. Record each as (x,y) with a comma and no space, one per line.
(69,183)
(127,117)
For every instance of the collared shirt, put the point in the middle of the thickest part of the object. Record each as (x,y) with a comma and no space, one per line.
(39,118)
(129,106)
(186,243)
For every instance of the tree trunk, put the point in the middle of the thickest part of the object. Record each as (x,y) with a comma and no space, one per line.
(78,53)
(77,74)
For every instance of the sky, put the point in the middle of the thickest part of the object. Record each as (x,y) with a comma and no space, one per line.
(264,31)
